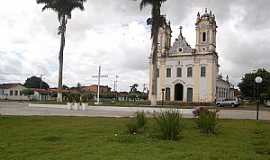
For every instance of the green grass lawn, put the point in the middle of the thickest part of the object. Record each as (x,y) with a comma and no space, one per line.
(82,138)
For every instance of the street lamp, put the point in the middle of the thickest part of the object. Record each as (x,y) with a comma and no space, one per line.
(258,81)
(163,91)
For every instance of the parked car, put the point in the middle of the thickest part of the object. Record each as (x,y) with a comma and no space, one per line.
(228,102)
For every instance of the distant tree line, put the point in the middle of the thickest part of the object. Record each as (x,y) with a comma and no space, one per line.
(248,86)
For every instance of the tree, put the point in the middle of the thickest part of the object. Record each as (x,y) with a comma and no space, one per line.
(63,8)
(35,82)
(248,86)
(155,21)
(133,88)
(65,87)
(28,92)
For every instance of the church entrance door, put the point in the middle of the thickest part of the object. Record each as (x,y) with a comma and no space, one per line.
(178,92)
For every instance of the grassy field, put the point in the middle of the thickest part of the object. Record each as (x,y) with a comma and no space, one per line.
(82,138)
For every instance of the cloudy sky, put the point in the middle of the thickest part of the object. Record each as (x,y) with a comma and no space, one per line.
(113,34)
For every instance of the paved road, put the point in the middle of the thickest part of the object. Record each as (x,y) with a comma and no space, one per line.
(23,109)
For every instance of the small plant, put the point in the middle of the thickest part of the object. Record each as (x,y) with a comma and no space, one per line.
(137,124)
(141,119)
(69,97)
(207,120)
(84,98)
(169,124)
(76,98)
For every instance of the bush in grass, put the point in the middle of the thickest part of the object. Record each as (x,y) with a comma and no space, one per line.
(141,119)
(137,124)
(68,97)
(207,120)
(169,124)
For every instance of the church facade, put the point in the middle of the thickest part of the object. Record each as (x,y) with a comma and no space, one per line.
(189,74)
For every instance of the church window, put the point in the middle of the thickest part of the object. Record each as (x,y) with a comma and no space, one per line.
(189,72)
(179,72)
(168,73)
(203,71)
(204,36)
(157,72)
(180,49)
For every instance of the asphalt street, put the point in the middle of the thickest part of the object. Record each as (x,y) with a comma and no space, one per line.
(23,109)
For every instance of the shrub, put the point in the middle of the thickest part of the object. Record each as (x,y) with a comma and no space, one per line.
(76,97)
(68,97)
(28,92)
(207,120)
(169,124)
(141,119)
(137,124)
(84,98)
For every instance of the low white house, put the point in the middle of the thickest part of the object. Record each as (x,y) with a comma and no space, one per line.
(12,91)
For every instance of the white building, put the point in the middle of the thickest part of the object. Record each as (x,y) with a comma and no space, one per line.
(224,90)
(12,91)
(188,74)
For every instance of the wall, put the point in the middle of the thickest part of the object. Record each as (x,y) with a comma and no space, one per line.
(6,93)
(202,86)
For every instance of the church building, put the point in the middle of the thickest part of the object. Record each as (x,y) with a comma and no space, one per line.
(190,74)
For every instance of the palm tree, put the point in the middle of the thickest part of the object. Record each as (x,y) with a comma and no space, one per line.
(63,8)
(155,21)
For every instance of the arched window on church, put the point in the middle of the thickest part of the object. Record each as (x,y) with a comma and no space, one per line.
(203,71)
(168,73)
(189,72)
(204,36)
(179,72)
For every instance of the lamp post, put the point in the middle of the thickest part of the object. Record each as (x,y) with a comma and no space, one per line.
(163,91)
(258,81)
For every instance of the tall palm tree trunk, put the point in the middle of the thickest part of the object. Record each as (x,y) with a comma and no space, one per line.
(155,33)
(61,56)
(154,72)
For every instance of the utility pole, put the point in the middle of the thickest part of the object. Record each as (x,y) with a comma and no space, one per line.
(99,76)
(144,87)
(115,85)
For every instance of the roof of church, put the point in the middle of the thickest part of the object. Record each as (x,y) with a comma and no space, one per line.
(180,45)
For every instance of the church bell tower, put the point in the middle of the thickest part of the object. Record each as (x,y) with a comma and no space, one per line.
(206,33)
